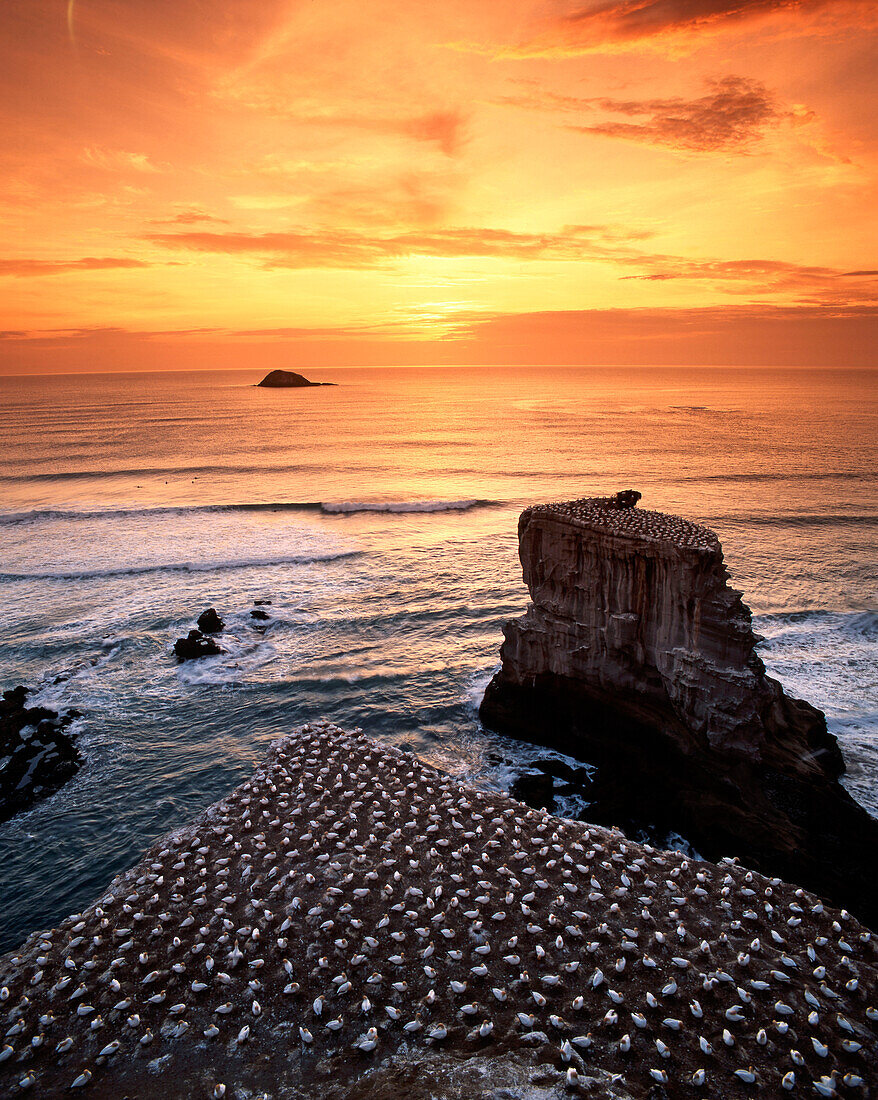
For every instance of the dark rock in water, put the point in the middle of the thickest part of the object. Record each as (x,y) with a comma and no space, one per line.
(637,656)
(209,622)
(287,379)
(196,645)
(36,755)
(258,613)
(534,790)
(262,603)
(559,769)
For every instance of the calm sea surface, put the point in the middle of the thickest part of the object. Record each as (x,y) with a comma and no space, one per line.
(379,517)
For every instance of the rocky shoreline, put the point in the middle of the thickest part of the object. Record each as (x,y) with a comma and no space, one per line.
(351,923)
(637,656)
(37,754)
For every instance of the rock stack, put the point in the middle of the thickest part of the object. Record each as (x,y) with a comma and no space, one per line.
(636,655)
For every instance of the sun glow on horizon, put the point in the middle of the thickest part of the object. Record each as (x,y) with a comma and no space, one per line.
(543,181)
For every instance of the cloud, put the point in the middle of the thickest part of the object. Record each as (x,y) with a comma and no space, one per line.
(762,277)
(193,216)
(444,127)
(625,24)
(329,248)
(26,267)
(745,335)
(575,244)
(360,190)
(733,115)
(117,160)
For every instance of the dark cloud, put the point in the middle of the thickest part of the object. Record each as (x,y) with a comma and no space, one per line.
(25,267)
(733,115)
(637,20)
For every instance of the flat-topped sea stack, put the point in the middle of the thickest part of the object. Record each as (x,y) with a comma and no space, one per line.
(350,923)
(288,380)
(636,655)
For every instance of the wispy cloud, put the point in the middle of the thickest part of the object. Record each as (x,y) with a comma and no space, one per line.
(443,127)
(27,267)
(357,250)
(570,244)
(191,216)
(118,160)
(764,277)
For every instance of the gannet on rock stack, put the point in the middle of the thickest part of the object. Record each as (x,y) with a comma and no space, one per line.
(637,655)
(350,922)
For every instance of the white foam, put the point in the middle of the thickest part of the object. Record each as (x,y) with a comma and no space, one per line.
(403,506)
(829,658)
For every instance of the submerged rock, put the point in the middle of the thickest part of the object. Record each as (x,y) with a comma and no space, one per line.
(636,655)
(196,645)
(352,923)
(209,622)
(287,379)
(37,756)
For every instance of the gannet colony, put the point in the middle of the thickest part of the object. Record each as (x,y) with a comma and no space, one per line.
(351,922)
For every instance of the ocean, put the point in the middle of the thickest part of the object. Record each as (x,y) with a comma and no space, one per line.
(379,518)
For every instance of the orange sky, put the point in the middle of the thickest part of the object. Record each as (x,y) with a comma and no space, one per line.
(226,183)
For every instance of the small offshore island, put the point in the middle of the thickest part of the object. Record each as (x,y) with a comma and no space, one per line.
(352,924)
(289,380)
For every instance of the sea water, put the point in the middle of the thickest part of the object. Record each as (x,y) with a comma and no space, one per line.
(379,518)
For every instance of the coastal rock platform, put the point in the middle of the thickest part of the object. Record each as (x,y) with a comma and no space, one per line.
(636,655)
(351,923)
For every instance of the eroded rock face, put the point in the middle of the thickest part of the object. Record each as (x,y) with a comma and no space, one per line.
(636,654)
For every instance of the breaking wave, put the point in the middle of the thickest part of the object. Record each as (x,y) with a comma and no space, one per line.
(181,567)
(8,519)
